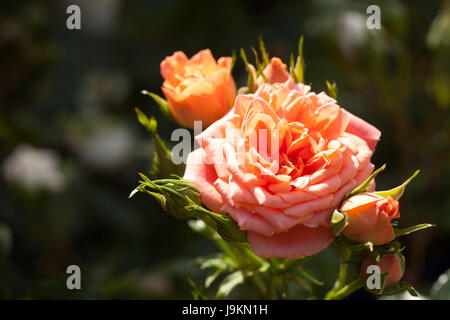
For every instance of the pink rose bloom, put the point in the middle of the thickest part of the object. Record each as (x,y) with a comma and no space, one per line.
(282,186)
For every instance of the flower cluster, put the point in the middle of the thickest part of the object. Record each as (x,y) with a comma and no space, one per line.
(289,167)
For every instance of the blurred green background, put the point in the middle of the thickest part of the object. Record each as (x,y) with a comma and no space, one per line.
(70,145)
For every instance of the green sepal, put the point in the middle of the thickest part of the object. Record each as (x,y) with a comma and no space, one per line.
(332,89)
(224,224)
(233,60)
(402,260)
(298,73)
(161,102)
(397,192)
(363,187)
(172,194)
(259,66)
(390,248)
(292,66)
(400,287)
(367,246)
(229,229)
(405,231)
(264,53)
(252,77)
(338,221)
(163,166)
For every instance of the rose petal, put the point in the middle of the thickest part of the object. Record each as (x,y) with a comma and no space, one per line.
(249,221)
(362,129)
(306,209)
(203,176)
(295,243)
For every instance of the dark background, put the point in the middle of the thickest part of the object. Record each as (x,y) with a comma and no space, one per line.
(70,145)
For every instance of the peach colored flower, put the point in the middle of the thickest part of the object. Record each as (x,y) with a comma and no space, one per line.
(369,218)
(275,72)
(283,186)
(198,88)
(390,264)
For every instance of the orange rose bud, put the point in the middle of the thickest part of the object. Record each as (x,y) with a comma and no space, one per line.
(390,264)
(369,218)
(198,89)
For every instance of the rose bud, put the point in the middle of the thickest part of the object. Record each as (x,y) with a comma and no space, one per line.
(390,264)
(198,89)
(275,72)
(369,218)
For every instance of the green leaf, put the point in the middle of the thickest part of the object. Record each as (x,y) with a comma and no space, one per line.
(441,288)
(229,283)
(399,288)
(363,186)
(302,282)
(410,289)
(162,104)
(300,63)
(338,221)
(332,89)
(397,192)
(405,231)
